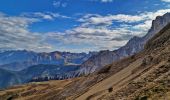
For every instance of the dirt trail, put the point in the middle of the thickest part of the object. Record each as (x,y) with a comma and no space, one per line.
(111,81)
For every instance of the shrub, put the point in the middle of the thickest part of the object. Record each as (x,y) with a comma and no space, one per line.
(110,89)
(144,98)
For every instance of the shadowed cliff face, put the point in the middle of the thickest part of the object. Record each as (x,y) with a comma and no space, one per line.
(134,45)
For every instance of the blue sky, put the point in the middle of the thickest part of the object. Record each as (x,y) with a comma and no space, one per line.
(75,25)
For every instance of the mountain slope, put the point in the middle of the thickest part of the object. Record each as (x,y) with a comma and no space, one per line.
(153,83)
(8,78)
(46,72)
(35,73)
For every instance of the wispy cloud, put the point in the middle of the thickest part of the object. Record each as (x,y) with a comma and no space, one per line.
(14,34)
(44,15)
(95,19)
(103,1)
(59,4)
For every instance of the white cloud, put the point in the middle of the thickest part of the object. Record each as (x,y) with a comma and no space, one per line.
(144,19)
(95,19)
(165,0)
(94,38)
(143,26)
(14,34)
(59,4)
(44,16)
(104,1)
(108,20)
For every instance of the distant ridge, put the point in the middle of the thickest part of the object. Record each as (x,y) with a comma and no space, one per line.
(17,60)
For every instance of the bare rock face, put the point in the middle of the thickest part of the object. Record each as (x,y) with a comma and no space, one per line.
(157,25)
(95,62)
(135,45)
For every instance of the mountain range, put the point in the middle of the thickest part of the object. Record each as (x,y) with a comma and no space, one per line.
(22,59)
(23,66)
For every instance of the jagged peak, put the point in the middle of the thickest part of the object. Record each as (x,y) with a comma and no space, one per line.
(159,39)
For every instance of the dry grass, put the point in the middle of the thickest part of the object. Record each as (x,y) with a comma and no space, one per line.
(33,90)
